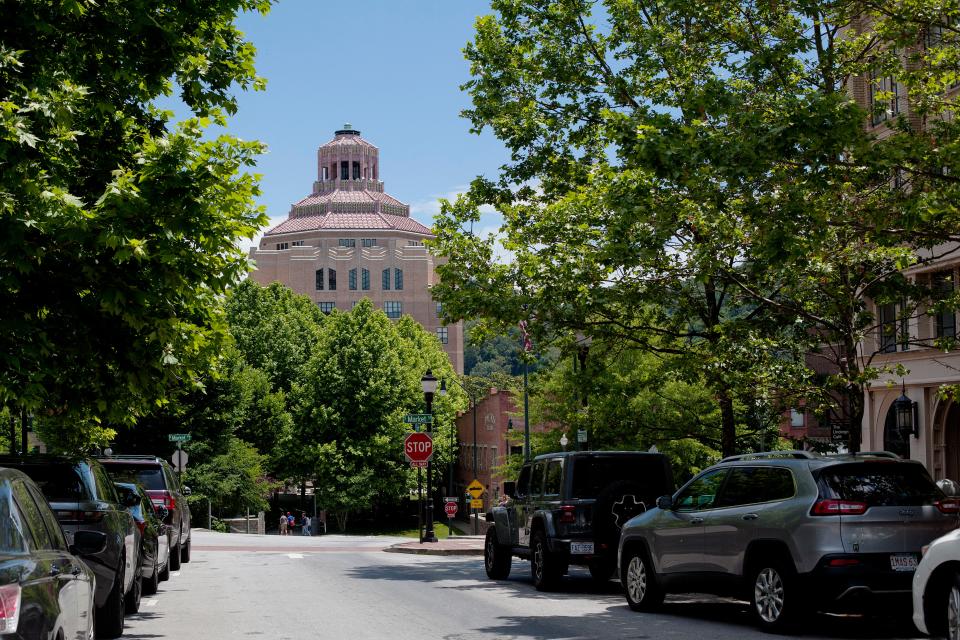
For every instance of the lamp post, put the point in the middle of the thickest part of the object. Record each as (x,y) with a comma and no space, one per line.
(473,410)
(429,385)
(907,419)
(564,441)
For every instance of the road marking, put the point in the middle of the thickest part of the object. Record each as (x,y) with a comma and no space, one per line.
(294,556)
(149,602)
(174,573)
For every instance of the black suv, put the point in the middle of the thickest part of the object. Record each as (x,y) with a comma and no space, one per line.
(163,486)
(568,508)
(84,499)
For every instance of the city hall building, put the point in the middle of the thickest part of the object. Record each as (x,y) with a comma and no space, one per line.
(350,240)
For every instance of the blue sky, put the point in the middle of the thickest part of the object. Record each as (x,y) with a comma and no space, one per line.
(392,69)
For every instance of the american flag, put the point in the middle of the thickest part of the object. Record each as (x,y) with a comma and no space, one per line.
(527,342)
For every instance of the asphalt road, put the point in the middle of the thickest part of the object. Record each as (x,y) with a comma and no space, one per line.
(345,587)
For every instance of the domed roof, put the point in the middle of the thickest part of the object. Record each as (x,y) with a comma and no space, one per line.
(348,136)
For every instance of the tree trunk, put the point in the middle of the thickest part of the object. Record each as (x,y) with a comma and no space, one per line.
(342,520)
(728,424)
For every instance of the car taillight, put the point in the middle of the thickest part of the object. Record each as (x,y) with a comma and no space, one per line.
(949,505)
(141,524)
(79,516)
(567,514)
(843,562)
(838,508)
(9,608)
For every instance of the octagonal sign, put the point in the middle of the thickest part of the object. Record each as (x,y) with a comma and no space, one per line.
(418,447)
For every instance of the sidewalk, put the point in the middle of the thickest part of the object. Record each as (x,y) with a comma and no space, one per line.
(453,546)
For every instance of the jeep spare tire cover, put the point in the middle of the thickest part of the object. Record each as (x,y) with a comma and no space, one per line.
(615,505)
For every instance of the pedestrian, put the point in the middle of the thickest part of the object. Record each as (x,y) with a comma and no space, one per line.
(290,521)
(283,525)
(307,523)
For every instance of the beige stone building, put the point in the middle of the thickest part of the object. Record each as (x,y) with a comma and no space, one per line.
(350,240)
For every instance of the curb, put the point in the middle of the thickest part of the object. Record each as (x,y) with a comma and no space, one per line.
(431,549)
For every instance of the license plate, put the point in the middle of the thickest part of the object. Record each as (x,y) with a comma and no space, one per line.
(581,547)
(903,562)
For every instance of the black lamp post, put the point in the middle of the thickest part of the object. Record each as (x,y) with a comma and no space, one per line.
(429,385)
(907,418)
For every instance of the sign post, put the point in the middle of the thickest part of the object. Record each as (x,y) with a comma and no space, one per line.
(475,489)
(180,456)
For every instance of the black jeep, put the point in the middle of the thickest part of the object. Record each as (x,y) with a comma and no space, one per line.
(569,508)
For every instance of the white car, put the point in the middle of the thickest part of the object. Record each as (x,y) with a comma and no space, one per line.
(936,588)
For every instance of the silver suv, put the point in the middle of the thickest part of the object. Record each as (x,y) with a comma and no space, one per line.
(789,531)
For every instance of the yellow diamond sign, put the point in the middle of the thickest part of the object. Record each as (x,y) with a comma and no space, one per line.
(475,489)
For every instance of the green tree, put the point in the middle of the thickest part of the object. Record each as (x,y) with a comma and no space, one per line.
(120,228)
(234,481)
(692,178)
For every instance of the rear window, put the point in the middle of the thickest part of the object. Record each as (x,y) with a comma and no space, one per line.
(59,482)
(880,485)
(11,526)
(150,477)
(593,474)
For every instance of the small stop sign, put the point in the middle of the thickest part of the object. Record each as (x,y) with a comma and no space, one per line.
(418,447)
(450,508)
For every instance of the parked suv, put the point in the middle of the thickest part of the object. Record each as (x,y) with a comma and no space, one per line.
(568,508)
(84,499)
(788,531)
(163,486)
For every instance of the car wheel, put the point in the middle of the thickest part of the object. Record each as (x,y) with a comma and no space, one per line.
(132,599)
(640,583)
(151,584)
(496,557)
(174,560)
(602,570)
(165,572)
(185,552)
(953,610)
(544,567)
(775,597)
(109,617)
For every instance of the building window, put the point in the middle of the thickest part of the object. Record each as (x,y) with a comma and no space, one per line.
(393,308)
(892,330)
(331,279)
(324,174)
(326,307)
(369,242)
(347,242)
(884,98)
(352,280)
(414,243)
(344,170)
(796,419)
(296,243)
(386,279)
(398,279)
(356,170)
(319,276)
(365,279)
(946,320)
(439,309)
(283,246)
(443,335)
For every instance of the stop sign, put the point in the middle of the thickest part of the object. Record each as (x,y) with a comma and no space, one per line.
(450,508)
(418,447)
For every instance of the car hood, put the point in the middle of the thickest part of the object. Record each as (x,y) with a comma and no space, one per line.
(642,520)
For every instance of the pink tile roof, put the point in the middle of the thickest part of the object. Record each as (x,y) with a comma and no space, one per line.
(358,221)
(348,140)
(352,197)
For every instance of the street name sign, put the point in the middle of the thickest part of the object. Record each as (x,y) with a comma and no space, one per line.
(418,447)
(581,435)
(418,418)
(475,489)
(179,437)
(450,509)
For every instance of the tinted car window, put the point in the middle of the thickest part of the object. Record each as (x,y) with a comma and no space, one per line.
(31,514)
(53,527)
(536,479)
(751,485)
(523,482)
(105,488)
(11,525)
(879,485)
(552,479)
(59,482)
(701,492)
(150,477)
(591,475)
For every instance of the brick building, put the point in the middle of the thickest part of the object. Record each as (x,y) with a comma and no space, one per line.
(350,240)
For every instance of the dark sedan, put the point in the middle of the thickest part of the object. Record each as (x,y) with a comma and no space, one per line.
(45,590)
(154,535)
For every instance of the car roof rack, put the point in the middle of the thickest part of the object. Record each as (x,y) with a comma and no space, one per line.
(868,454)
(767,455)
(128,456)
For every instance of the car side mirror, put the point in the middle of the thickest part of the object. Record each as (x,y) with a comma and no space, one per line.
(88,543)
(665,502)
(186,490)
(510,489)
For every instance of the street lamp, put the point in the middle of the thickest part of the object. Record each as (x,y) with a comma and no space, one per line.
(906,409)
(429,385)
(473,410)
(564,441)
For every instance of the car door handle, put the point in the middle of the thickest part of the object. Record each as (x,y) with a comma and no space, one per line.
(750,516)
(696,520)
